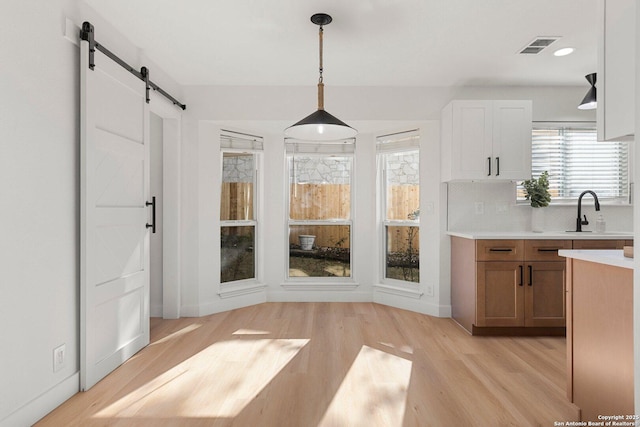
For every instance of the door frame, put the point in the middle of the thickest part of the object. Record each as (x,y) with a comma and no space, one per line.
(171,195)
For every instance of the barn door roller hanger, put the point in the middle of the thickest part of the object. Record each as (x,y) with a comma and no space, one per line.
(87,34)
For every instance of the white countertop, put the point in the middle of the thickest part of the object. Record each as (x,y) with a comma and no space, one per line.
(551,235)
(612,257)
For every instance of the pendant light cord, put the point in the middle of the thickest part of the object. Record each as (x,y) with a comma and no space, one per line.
(320,82)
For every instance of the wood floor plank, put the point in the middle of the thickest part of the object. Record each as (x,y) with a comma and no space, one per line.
(327,364)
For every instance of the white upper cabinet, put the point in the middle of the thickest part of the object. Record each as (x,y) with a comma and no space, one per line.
(486,140)
(616,70)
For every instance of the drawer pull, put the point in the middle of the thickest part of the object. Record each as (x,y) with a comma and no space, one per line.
(500,250)
(548,249)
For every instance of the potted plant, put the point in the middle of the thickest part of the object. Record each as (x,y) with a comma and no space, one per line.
(537,192)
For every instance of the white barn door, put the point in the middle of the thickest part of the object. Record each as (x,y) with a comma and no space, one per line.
(114,276)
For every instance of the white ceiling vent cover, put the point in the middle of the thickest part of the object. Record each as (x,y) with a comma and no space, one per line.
(537,45)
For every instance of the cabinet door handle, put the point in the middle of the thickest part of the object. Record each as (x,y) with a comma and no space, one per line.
(500,250)
(521,276)
(548,249)
(489,160)
(530,275)
(497,166)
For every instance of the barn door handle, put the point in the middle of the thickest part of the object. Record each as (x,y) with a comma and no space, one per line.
(152,203)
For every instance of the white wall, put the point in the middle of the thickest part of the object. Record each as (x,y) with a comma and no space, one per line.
(502,213)
(39,203)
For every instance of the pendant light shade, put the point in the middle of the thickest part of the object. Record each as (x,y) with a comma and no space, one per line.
(590,100)
(320,125)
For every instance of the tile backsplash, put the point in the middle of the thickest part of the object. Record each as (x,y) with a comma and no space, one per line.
(491,206)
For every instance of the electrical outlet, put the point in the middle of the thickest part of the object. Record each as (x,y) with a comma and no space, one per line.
(479,208)
(429,208)
(59,355)
(429,290)
(502,207)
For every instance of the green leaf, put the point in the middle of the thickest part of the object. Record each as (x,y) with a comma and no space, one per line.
(537,190)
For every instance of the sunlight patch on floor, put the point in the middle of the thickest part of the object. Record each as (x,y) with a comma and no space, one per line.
(250,332)
(403,348)
(217,382)
(373,392)
(177,334)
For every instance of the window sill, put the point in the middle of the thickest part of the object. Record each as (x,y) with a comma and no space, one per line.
(585,202)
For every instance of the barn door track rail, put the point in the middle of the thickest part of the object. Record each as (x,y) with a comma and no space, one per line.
(87,34)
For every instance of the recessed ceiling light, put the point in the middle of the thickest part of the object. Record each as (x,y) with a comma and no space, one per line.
(564,51)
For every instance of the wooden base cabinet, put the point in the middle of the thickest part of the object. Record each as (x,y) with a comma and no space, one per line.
(515,286)
(500,294)
(525,294)
(545,294)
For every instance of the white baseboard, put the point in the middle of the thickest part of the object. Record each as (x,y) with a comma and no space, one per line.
(318,296)
(412,304)
(34,410)
(226,304)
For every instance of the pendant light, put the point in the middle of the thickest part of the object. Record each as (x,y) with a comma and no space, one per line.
(590,101)
(320,125)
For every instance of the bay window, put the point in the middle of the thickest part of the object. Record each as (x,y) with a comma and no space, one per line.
(320,209)
(238,202)
(399,167)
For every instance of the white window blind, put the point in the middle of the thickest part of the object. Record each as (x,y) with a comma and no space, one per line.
(240,141)
(401,141)
(576,161)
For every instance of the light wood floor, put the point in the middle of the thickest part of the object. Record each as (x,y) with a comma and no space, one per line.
(327,364)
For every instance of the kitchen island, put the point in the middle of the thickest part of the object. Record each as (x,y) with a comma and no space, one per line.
(600,332)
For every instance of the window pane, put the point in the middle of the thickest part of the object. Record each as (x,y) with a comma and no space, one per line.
(237,258)
(403,185)
(319,251)
(403,253)
(576,161)
(320,187)
(236,202)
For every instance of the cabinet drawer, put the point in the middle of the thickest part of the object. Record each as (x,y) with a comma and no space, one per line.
(499,250)
(598,244)
(545,250)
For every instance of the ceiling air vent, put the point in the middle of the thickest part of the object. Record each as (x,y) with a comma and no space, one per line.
(537,45)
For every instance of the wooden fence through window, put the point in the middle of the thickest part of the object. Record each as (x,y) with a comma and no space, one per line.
(322,202)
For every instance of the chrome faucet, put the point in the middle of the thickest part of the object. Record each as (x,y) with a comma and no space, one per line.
(579,221)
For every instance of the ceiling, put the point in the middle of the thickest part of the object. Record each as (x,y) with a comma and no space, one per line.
(369,42)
